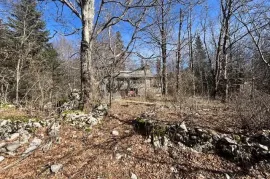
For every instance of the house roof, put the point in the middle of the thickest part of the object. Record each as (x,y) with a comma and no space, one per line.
(138,73)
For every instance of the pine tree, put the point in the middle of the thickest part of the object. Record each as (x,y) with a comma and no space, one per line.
(29,39)
(200,66)
(27,27)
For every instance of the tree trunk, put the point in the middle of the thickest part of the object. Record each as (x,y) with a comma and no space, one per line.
(18,77)
(227,9)
(191,61)
(163,50)
(178,53)
(88,84)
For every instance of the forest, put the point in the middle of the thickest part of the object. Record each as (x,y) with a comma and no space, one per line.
(134,89)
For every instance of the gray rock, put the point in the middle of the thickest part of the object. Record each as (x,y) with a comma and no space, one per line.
(262,147)
(29,149)
(2,144)
(13,137)
(157,142)
(3,150)
(54,131)
(1,158)
(102,107)
(37,125)
(55,168)
(133,176)
(33,145)
(174,170)
(3,123)
(214,134)
(230,141)
(183,126)
(166,143)
(127,131)
(118,156)
(13,146)
(227,176)
(92,120)
(115,133)
(147,140)
(25,136)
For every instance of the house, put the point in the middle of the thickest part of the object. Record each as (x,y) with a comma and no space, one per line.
(136,83)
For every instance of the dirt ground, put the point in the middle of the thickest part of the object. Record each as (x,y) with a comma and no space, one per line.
(99,154)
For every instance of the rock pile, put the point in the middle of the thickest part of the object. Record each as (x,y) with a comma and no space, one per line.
(243,148)
(82,120)
(11,129)
(74,101)
(16,133)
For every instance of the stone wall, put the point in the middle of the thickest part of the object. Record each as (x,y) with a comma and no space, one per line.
(245,148)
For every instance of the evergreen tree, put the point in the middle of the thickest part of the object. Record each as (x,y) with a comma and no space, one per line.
(27,28)
(29,41)
(200,66)
(6,70)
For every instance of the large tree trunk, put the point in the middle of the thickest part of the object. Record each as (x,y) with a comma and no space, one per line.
(88,84)
(163,50)
(227,10)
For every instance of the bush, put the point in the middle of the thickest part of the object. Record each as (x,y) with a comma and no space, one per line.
(254,111)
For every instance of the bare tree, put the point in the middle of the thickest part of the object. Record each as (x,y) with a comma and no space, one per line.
(84,10)
(179,47)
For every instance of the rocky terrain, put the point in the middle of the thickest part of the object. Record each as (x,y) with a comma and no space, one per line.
(132,140)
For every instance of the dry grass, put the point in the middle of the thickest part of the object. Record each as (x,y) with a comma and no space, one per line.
(12,113)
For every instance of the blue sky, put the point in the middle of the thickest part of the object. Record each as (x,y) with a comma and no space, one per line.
(59,18)
(52,10)
(71,22)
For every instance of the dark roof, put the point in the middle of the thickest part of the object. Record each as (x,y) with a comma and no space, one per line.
(138,73)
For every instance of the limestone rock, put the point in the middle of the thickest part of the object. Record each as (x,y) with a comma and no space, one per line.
(3,150)
(183,126)
(227,176)
(229,141)
(115,133)
(1,158)
(118,156)
(133,176)
(92,120)
(33,145)
(3,123)
(54,131)
(263,147)
(13,146)
(37,125)
(24,136)
(2,144)
(13,137)
(102,107)
(157,142)
(55,168)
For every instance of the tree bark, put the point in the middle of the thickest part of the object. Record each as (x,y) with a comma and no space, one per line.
(227,12)
(18,77)
(191,60)
(178,53)
(88,84)
(163,50)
